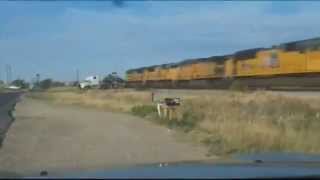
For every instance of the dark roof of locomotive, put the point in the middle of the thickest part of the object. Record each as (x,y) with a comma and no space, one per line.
(200,60)
(302,45)
(246,54)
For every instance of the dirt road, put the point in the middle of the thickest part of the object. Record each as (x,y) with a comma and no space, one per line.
(54,138)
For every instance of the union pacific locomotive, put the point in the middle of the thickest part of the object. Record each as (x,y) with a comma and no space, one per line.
(290,65)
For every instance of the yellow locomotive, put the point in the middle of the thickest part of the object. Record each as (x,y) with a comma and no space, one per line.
(292,65)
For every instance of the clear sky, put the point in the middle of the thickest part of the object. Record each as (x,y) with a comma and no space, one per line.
(56,38)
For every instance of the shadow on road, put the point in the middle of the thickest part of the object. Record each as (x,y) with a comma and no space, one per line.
(7,104)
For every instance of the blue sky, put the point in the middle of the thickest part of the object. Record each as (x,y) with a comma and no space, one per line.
(98,37)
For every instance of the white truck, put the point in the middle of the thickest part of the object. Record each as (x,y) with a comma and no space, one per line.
(90,82)
(13,87)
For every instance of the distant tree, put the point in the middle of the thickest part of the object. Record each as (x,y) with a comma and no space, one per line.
(57,84)
(75,83)
(45,84)
(1,82)
(20,83)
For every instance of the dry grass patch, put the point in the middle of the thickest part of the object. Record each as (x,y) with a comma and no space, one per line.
(111,100)
(259,121)
(225,121)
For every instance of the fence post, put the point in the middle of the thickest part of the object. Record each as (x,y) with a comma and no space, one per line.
(159,109)
(152,96)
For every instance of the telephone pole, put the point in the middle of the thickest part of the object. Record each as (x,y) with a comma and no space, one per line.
(8,72)
(77,76)
(38,78)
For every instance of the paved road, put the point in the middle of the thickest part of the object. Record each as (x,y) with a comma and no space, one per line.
(7,102)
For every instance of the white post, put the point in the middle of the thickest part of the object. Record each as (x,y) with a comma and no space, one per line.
(159,109)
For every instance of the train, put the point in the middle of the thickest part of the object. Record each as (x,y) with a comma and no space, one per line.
(291,65)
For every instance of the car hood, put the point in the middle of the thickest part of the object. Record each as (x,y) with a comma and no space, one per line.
(240,166)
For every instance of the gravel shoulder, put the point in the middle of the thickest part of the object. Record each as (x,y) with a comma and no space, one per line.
(63,138)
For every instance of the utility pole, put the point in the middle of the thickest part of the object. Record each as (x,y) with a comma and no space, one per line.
(8,72)
(77,76)
(37,79)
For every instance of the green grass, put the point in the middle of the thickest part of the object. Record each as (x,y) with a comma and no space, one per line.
(243,122)
(237,86)
(2,87)
(143,110)
(64,89)
(186,121)
(259,122)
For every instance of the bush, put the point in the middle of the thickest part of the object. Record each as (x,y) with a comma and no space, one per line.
(143,110)
(1,88)
(189,120)
(20,83)
(58,84)
(45,84)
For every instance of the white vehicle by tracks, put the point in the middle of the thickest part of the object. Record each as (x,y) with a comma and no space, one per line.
(90,82)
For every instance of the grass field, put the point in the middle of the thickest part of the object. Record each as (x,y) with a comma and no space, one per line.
(225,121)
(1,87)
(111,100)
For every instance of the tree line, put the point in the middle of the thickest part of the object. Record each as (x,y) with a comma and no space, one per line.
(43,84)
